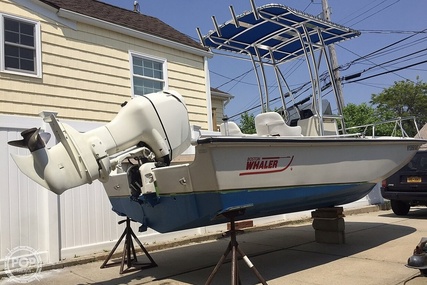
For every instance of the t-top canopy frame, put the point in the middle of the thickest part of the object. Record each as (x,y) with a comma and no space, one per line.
(274,34)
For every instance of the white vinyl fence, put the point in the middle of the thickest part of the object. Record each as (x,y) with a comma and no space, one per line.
(79,221)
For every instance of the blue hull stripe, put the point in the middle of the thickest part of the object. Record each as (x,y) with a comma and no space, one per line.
(184,211)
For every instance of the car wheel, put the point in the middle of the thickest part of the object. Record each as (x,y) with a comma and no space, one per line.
(400,208)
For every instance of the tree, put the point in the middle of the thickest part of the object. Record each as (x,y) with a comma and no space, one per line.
(358,115)
(247,123)
(366,116)
(405,98)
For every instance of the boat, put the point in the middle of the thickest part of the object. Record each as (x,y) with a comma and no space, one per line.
(296,161)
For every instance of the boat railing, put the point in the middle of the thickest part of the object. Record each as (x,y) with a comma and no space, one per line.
(336,117)
(397,128)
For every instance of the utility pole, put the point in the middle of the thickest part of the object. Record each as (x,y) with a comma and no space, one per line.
(334,61)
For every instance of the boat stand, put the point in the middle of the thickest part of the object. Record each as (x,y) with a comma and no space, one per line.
(129,253)
(233,247)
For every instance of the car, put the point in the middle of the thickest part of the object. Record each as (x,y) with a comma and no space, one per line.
(408,186)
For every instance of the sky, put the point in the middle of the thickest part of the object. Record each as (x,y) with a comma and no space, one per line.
(381,22)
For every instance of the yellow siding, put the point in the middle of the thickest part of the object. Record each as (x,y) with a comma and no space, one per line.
(218,106)
(86,73)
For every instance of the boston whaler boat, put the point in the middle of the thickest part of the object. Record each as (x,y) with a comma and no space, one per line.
(302,162)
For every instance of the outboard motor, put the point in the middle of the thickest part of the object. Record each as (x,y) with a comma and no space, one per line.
(158,122)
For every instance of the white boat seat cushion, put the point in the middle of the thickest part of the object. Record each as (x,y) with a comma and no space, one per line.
(272,124)
(233,129)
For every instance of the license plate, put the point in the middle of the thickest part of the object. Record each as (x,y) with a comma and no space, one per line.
(413,179)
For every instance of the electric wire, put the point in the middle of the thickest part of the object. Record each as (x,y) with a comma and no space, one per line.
(377,12)
(391,31)
(362,11)
(386,47)
(396,60)
(397,49)
(386,72)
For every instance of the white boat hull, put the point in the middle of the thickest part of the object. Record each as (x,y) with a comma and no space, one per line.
(266,176)
(227,164)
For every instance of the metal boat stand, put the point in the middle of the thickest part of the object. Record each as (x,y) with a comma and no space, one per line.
(233,247)
(129,253)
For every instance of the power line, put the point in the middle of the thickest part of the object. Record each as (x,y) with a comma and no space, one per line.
(386,47)
(347,66)
(356,11)
(297,90)
(234,78)
(390,71)
(392,31)
(375,13)
(394,60)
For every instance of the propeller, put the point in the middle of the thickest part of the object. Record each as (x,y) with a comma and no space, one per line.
(32,139)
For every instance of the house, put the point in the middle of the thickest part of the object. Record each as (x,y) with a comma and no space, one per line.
(81,59)
(85,58)
(219,100)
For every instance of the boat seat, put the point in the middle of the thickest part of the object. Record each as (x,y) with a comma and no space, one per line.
(233,129)
(272,124)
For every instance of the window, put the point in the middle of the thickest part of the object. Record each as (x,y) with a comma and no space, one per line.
(20,46)
(148,74)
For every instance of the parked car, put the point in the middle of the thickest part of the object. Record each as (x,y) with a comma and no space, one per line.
(408,186)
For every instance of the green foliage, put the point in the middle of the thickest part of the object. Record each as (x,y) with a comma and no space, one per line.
(247,123)
(365,116)
(405,98)
(358,115)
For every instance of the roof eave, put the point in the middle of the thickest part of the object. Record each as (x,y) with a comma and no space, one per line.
(221,95)
(70,15)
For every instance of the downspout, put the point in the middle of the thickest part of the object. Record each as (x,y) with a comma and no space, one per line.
(208,94)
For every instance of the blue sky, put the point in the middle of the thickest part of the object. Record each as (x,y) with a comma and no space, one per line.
(382,22)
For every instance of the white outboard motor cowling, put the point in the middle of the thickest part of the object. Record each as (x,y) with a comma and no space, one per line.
(158,121)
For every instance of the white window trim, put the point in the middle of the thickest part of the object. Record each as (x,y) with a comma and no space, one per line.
(163,61)
(37,39)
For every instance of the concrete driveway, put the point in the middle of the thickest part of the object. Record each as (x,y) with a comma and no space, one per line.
(376,250)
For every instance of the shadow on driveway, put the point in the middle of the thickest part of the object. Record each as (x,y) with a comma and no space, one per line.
(275,253)
(414,213)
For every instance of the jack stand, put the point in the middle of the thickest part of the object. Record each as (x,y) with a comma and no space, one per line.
(233,247)
(129,249)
